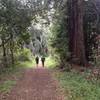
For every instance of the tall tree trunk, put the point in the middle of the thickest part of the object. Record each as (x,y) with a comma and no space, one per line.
(71,25)
(12,49)
(12,53)
(4,54)
(78,48)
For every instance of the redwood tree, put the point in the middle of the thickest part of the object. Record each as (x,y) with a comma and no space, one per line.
(76,32)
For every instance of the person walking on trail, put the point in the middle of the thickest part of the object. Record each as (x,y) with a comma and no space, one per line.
(43,60)
(37,61)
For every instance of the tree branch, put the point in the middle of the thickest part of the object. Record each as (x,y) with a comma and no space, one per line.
(5,41)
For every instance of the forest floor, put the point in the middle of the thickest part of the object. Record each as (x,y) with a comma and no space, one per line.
(36,84)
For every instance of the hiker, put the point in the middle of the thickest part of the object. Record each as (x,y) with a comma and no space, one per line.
(37,61)
(43,60)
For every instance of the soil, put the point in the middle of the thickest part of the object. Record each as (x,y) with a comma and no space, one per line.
(36,84)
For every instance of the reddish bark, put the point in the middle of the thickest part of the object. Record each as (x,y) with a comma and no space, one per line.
(77,35)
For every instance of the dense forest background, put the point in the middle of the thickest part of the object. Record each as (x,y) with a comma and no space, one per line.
(67,29)
(65,32)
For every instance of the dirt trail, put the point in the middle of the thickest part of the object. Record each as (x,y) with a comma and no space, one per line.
(37,84)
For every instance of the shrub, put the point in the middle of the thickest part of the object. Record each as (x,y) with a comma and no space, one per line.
(25,55)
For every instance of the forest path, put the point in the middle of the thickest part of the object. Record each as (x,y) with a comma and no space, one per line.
(36,84)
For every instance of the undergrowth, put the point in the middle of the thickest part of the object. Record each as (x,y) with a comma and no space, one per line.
(76,87)
(50,62)
(7,85)
(10,75)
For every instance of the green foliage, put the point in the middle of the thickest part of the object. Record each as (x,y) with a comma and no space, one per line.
(59,40)
(91,27)
(8,77)
(76,87)
(50,62)
(98,62)
(6,86)
(15,18)
(25,55)
(39,41)
(27,64)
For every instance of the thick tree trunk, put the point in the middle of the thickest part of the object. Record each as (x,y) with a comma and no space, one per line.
(77,35)
(71,25)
